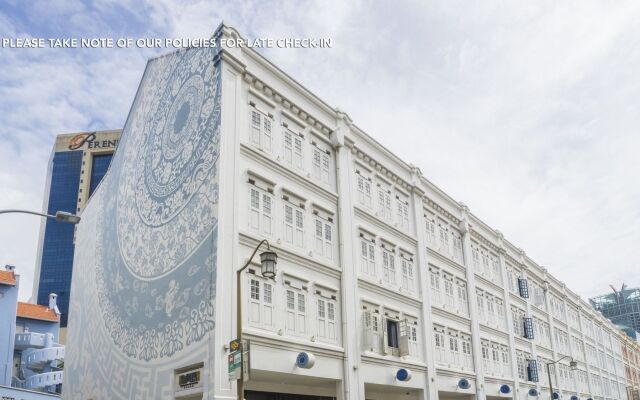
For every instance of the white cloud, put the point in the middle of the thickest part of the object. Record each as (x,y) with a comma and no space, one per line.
(527,112)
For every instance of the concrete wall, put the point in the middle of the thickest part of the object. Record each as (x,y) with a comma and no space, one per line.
(8,301)
(143,286)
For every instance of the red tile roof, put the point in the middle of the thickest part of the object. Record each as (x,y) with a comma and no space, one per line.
(7,278)
(36,311)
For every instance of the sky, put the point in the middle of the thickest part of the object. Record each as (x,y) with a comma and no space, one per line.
(525,111)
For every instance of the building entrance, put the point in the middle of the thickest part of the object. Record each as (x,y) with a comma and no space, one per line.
(255,395)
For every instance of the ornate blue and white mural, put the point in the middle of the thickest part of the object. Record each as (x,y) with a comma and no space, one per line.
(143,287)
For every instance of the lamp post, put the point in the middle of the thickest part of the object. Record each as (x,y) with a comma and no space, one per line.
(573,364)
(60,216)
(268,261)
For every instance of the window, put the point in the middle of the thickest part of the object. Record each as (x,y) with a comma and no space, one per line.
(384,203)
(444,238)
(261,311)
(495,360)
(407,344)
(390,340)
(538,295)
(326,318)
(371,324)
(496,274)
(528,327)
(364,189)
(486,361)
(260,206)
(491,310)
(293,225)
(434,278)
(456,241)
(292,151)
(413,340)
(499,313)
(505,359)
(467,357)
(512,279)
(475,257)
(480,304)
(448,291)
(296,321)
(438,335)
(388,267)
(261,130)
(532,370)
(431,229)
(523,287)
(463,306)
(407,274)
(323,234)
(402,212)
(454,349)
(367,257)
(522,368)
(518,325)
(321,164)
(486,271)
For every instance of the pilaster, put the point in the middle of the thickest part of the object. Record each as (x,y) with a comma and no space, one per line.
(422,269)
(465,229)
(352,387)
(506,300)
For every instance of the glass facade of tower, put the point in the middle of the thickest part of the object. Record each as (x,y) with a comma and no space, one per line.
(57,249)
(99,166)
(622,308)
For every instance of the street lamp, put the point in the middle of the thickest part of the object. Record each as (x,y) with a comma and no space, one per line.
(573,364)
(268,261)
(61,216)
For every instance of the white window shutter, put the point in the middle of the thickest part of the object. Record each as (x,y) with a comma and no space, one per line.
(385,338)
(367,330)
(403,342)
(375,335)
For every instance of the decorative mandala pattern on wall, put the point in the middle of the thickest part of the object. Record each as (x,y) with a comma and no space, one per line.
(157,229)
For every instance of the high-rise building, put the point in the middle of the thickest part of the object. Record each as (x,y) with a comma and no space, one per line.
(622,307)
(76,166)
(385,286)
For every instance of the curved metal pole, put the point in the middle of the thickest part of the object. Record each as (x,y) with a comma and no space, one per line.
(549,374)
(26,212)
(240,382)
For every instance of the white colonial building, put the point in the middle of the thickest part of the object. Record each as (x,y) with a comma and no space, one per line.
(396,289)
(380,270)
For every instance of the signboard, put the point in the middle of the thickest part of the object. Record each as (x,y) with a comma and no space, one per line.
(92,142)
(238,360)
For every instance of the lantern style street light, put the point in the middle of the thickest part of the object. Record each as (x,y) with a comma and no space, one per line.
(61,216)
(268,261)
(573,364)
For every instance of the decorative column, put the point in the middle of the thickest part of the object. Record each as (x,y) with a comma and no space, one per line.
(584,349)
(352,388)
(422,270)
(554,345)
(465,229)
(506,300)
(233,94)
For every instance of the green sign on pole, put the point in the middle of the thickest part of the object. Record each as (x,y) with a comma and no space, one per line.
(235,360)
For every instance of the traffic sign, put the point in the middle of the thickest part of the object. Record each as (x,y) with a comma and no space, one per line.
(234,360)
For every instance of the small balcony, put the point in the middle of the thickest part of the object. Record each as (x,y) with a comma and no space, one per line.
(38,358)
(40,381)
(27,340)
